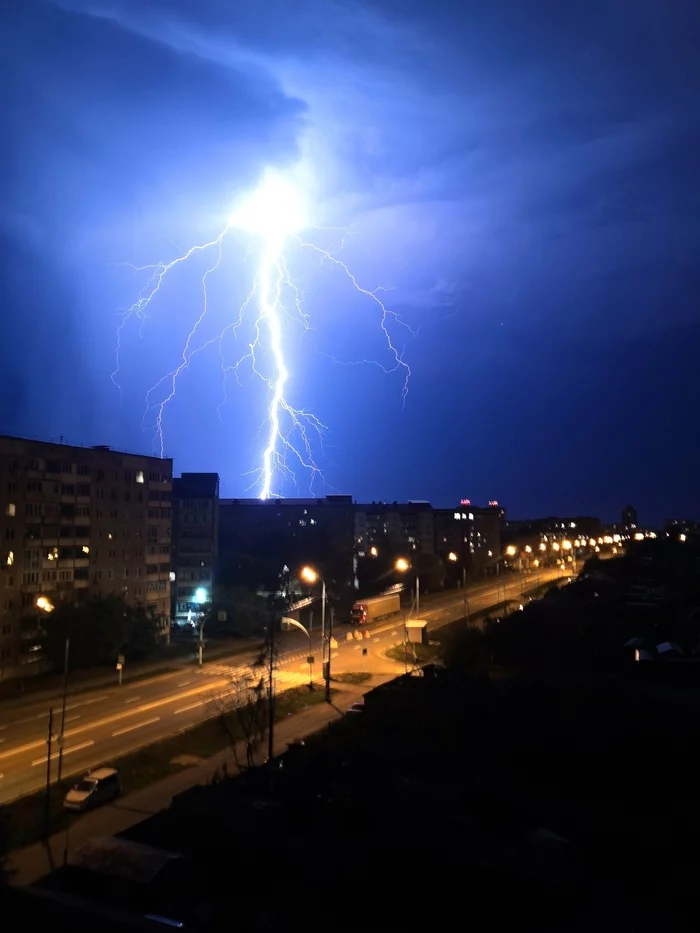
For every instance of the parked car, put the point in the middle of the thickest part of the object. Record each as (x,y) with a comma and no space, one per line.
(97,787)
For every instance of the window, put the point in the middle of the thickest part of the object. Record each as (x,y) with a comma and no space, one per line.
(34,464)
(32,508)
(139,476)
(83,489)
(9,534)
(127,476)
(33,486)
(65,576)
(31,576)
(11,509)
(9,582)
(66,466)
(83,469)
(67,489)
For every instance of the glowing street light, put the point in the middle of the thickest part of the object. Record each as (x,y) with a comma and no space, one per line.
(543,546)
(44,603)
(452,556)
(373,552)
(403,565)
(200,598)
(510,550)
(309,575)
(555,545)
(528,549)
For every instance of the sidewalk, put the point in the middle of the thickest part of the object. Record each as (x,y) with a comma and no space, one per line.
(30,864)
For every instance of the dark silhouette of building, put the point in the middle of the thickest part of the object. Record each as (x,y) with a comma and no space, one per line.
(403,528)
(77,520)
(629,517)
(195,541)
(276,536)
(472,534)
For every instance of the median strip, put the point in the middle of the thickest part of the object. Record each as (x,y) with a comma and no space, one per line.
(66,751)
(139,725)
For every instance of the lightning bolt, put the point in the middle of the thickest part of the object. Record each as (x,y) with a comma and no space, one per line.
(274,215)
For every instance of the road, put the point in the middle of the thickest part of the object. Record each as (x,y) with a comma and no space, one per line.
(105,723)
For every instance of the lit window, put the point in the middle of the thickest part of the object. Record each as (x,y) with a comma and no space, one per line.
(457,516)
(471,516)
(139,476)
(10,558)
(86,549)
(10,509)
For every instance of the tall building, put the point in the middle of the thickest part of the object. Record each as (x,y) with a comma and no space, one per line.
(629,517)
(405,528)
(195,541)
(268,536)
(78,520)
(472,534)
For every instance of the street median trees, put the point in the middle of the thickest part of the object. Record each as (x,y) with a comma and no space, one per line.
(99,629)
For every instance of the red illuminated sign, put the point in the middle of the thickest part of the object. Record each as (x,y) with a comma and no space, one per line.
(493,504)
(465,501)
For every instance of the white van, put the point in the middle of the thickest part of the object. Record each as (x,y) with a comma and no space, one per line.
(96,787)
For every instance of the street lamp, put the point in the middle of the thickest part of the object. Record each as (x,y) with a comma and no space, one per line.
(403,565)
(373,552)
(200,597)
(309,575)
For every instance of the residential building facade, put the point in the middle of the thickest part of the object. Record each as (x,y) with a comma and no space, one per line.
(195,541)
(472,534)
(77,520)
(404,528)
(290,533)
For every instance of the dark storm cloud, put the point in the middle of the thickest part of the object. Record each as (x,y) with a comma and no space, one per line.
(529,167)
(99,125)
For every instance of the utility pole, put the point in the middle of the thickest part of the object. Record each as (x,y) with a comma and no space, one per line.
(47,799)
(63,710)
(271,689)
(330,650)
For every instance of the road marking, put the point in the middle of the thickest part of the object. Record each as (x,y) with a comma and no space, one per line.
(71,718)
(185,683)
(394,633)
(66,751)
(186,709)
(375,639)
(138,725)
(132,699)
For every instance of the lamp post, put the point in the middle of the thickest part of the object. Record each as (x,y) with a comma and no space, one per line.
(403,565)
(309,575)
(200,597)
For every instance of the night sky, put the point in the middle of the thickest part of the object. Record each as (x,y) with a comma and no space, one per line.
(523,176)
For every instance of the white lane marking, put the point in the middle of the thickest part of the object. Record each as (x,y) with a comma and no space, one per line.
(132,699)
(375,639)
(71,718)
(66,751)
(394,633)
(185,683)
(186,709)
(138,725)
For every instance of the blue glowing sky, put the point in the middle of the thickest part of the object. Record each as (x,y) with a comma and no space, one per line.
(523,178)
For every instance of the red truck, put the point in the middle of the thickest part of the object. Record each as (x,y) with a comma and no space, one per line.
(374,609)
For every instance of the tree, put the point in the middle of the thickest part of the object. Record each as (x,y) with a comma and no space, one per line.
(243,707)
(100,628)
(431,570)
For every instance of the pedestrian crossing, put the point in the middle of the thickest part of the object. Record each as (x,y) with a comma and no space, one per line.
(285,679)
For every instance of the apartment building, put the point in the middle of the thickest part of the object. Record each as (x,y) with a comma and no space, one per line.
(195,541)
(403,527)
(472,534)
(73,520)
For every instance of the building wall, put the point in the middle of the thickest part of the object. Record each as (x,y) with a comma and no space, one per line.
(473,534)
(402,527)
(195,540)
(74,520)
(291,532)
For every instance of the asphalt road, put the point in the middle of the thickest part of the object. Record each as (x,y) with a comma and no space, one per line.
(105,723)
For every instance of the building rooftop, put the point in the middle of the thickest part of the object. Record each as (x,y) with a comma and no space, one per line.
(62,442)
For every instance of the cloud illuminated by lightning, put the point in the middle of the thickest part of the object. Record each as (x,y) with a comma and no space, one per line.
(275,217)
